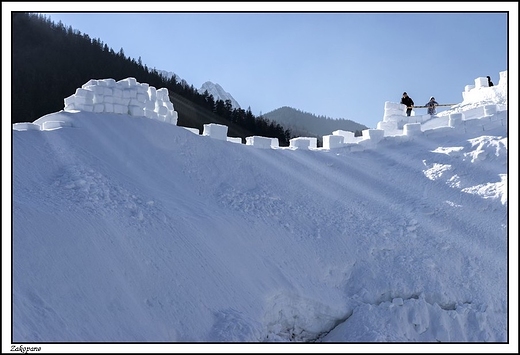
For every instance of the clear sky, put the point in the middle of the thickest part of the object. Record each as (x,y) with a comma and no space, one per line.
(336,64)
(128,229)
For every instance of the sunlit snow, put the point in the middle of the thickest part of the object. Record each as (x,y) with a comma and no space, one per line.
(129,228)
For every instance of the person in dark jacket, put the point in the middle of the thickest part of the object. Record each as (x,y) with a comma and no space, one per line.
(490,83)
(408,102)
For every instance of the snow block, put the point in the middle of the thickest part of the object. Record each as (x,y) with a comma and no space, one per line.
(109,108)
(97,90)
(142,88)
(303,142)
(491,125)
(438,132)
(418,118)
(455,119)
(481,82)
(117,92)
(275,143)
(332,141)
(490,110)
(135,102)
(394,106)
(85,107)
(468,88)
(165,118)
(83,100)
(389,127)
(395,112)
(192,130)
(135,111)
(98,98)
(162,95)
(142,97)
(121,109)
(68,101)
(129,93)
(234,140)
(473,126)
(107,82)
(503,78)
(126,96)
(91,82)
(150,114)
(87,94)
(26,126)
(375,135)
(215,131)
(98,108)
(259,142)
(48,125)
(149,105)
(348,137)
(128,82)
(412,129)
(152,93)
(161,110)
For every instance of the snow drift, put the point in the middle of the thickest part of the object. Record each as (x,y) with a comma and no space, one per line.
(130,229)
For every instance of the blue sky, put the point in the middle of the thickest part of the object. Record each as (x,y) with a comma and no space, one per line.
(336,64)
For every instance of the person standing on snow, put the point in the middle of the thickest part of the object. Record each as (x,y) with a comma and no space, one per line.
(408,102)
(431,106)
(490,83)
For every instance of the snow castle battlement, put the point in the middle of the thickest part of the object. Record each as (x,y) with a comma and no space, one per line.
(480,91)
(395,121)
(126,96)
(129,97)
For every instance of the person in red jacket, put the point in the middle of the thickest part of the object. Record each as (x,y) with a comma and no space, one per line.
(408,102)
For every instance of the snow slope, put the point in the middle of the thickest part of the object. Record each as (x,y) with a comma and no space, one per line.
(128,229)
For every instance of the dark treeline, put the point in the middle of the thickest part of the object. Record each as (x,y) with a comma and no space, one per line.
(302,123)
(50,61)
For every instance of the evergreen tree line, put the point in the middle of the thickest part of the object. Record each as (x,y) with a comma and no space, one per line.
(301,123)
(50,61)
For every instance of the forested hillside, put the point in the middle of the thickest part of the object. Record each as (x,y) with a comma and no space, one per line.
(50,61)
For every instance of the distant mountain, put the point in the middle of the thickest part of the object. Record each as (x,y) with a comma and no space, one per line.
(218,93)
(213,89)
(307,124)
(301,124)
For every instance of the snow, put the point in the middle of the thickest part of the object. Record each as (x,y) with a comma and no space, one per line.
(218,93)
(129,228)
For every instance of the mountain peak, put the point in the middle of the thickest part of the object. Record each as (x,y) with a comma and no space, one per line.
(218,93)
